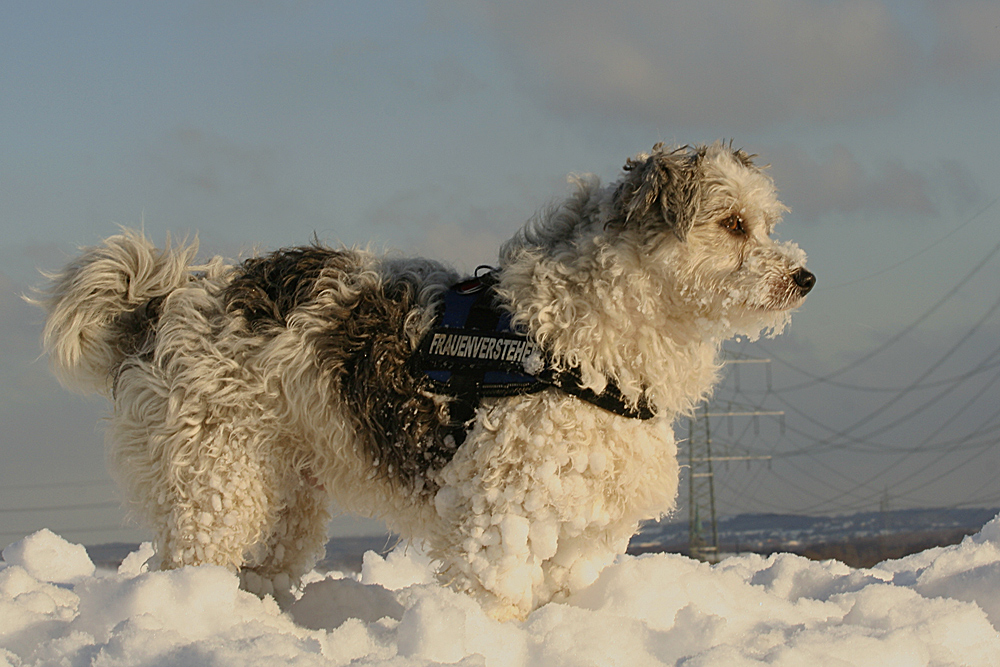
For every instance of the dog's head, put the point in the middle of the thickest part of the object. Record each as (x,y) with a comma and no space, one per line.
(709,213)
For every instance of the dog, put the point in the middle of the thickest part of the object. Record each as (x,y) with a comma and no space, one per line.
(250,400)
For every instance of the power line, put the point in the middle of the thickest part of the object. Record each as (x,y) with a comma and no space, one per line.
(985,365)
(55,485)
(978,441)
(815,379)
(845,434)
(892,267)
(59,508)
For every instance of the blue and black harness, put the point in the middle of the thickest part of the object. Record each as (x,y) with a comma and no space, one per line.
(472,352)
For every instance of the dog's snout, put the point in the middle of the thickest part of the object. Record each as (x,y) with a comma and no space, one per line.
(804,279)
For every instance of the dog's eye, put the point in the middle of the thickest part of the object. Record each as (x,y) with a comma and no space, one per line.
(734,223)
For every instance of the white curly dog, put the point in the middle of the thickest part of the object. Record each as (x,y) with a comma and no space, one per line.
(252,399)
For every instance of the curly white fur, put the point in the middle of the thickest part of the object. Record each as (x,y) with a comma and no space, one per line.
(249,400)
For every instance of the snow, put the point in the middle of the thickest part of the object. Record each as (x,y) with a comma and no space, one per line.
(939,607)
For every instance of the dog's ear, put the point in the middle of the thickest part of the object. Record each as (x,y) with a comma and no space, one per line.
(660,190)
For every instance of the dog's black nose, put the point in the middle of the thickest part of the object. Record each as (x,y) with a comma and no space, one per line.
(804,279)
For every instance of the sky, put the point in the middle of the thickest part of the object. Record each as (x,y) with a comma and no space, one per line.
(438,128)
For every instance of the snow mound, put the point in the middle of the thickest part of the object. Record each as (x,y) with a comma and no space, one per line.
(939,607)
(48,557)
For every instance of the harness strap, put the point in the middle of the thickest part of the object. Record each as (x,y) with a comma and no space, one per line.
(474,353)
(611,399)
(466,385)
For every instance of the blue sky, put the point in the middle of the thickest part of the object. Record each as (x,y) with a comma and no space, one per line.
(440,127)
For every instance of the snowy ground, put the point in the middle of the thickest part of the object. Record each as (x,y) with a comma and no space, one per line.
(940,607)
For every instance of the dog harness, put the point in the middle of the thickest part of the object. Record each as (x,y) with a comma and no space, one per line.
(472,352)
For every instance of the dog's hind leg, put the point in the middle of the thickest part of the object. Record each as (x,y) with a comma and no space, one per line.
(221,505)
(298,537)
(192,475)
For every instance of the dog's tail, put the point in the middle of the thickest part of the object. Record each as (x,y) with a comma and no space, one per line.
(95,303)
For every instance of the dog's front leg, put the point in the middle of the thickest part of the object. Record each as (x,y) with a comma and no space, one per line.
(545,492)
(509,543)
(522,508)
(485,551)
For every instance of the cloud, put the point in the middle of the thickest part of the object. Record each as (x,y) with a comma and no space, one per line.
(461,246)
(198,180)
(968,40)
(199,161)
(442,223)
(745,64)
(837,182)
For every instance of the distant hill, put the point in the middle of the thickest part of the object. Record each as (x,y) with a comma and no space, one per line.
(873,536)
(342,553)
(856,539)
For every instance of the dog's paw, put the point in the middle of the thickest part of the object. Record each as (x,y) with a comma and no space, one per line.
(278,586)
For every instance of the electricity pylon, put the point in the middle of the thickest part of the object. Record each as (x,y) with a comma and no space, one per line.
(701,490)
(703,542)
